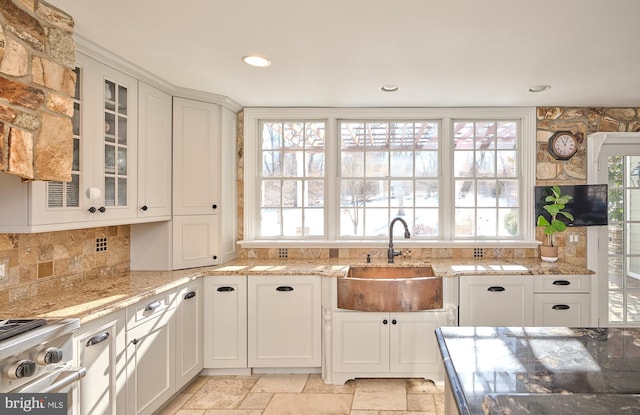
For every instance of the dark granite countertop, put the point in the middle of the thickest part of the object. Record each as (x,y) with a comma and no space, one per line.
(561,404)
(493,368)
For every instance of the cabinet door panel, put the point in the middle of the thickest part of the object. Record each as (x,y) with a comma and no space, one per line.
(150,361)
(195,150)
(561,310)
(413,346)
(360,342)
(99,348)
(496,301)
(115,159)
(284,321)
(195,241)
(189,332)
(225,319)
(154,153)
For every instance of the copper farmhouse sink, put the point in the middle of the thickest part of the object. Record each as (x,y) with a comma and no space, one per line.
(390,289)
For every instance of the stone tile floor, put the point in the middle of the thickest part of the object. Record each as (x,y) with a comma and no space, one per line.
(304,394)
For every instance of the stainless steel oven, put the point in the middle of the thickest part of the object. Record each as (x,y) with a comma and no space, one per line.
(36,356)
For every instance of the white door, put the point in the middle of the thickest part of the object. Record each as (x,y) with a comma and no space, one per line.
(614,250)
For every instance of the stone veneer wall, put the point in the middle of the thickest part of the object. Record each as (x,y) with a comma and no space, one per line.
(579,120)
(43,262)
(37,83)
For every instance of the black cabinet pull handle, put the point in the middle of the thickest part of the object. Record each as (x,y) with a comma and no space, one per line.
(214,206)
(284,289)
(561,307)
(92,209)
(98,338)
(144,208)
(102,209)
(152,306)
(215,257)
(225,289)
(189,295)
(384,321)
(561,282)
(394,321)
(496,289)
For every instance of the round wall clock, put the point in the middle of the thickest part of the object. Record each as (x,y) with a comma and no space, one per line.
(563,145)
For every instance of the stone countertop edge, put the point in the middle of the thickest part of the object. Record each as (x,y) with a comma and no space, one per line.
(101,296)
(454,383)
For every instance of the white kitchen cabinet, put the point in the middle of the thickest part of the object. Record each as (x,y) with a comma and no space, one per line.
(369,344)
(493,300)
(99,347)
(104,178)
(195,241)
(189,332)
(154,153)
(284,321)
(360,342)
(562,301)
(150,353)
(196,152)
(225,322)
(203,228)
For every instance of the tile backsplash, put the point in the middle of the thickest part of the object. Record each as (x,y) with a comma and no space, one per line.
(53,259)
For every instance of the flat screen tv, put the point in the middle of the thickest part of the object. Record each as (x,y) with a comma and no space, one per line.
(589,206)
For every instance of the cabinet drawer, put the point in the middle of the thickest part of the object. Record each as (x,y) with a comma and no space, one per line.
(562,283)
(149,308)
(561,310)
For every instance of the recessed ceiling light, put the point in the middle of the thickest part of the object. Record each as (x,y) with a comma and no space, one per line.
(389,88)
(539,88)
(255,60)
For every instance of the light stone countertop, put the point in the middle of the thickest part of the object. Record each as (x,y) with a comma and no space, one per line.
(97,297)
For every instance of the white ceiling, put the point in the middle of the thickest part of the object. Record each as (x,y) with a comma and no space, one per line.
(339,52)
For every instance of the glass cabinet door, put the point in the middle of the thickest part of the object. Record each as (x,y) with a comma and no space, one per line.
(67,194)
(115,144)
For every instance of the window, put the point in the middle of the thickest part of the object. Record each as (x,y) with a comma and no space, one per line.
(341,175)
(486,181)
(292,180)
(388,169)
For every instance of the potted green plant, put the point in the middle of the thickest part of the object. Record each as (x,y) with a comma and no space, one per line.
(556,202)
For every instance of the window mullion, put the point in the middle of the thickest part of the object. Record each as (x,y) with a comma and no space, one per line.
(446,180)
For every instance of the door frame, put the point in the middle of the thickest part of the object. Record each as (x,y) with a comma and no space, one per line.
(598,234)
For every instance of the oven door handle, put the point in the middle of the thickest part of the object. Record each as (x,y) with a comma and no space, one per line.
(65,379)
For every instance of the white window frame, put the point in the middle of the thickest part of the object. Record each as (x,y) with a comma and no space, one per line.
(526,153)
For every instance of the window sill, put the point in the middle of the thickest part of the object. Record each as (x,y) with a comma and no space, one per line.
(397,243)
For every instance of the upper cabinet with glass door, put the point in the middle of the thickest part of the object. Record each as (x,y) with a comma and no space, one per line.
(102,190)
(105,143)
(115,177)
